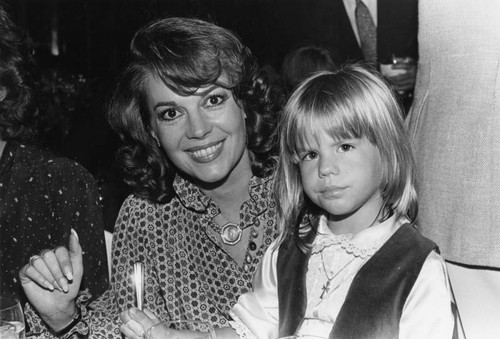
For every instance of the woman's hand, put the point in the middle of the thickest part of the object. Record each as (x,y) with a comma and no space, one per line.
(136,323)
(405,74)
(51,281)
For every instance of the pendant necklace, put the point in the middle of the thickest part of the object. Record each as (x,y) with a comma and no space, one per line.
(230,233)
(326,286)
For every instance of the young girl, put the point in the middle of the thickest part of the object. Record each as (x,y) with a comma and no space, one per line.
(350,262)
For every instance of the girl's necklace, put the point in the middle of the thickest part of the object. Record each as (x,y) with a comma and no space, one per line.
(326,286)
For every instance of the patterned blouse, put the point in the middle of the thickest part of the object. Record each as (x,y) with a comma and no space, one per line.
(187,272)
(41,198)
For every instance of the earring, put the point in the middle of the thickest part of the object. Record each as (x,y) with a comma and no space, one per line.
(156,139)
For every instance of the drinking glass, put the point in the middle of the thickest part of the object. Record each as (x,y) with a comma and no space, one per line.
(11,319)
(200,330)
(399,66)
(402,72)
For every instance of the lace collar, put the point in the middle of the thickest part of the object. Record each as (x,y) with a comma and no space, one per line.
(362,244)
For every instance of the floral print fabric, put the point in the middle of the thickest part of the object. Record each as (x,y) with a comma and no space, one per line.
(187,272)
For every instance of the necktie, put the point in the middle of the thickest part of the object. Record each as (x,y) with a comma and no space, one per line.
(367,31)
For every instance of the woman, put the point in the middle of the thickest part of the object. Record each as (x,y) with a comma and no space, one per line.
(198,126)
(41,195)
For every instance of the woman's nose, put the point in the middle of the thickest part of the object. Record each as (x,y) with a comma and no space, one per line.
(199,125)
(328,166)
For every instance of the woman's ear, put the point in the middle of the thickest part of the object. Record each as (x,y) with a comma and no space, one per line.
(243,113)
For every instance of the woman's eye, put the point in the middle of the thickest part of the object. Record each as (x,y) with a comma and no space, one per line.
(215,100)
(345,148)
(168,114)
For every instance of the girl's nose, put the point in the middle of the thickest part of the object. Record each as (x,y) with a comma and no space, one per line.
(328,166)
(199,125)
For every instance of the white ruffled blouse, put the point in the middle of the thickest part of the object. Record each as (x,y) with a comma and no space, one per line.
(334,262)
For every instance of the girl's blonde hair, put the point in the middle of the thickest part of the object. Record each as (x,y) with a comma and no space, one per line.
(352,102)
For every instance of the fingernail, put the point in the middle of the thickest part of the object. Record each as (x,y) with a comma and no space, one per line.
(76,234)
(69,275)
(57,286)
(133,311)
(63,284)
(48,285)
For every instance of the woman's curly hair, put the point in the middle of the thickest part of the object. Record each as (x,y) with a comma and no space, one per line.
(187,54)
(17,109)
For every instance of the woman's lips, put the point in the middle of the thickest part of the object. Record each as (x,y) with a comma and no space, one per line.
(207,153)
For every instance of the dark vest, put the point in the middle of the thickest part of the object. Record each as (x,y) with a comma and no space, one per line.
(376,297)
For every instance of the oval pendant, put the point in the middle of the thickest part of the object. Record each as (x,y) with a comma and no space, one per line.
(230,234)
(254,233)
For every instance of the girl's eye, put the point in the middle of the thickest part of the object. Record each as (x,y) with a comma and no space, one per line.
(309,156)
(345,148)
(168,114)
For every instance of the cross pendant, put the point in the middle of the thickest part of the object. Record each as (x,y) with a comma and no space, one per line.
(326,289)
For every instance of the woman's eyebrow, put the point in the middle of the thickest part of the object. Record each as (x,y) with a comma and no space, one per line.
(164,103)
(206,90)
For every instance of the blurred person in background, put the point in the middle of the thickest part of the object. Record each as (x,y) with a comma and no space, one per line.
(380,32)
(42,196)
(455,126)
(304,61)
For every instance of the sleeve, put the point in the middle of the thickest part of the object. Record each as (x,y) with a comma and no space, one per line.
(75,204)
(96,321)
(427,312)
(131,244)
(256,313)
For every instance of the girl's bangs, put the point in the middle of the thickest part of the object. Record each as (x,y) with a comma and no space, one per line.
(321,116)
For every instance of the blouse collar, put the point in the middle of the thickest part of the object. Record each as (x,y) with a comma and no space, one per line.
(362,244)
(193,198)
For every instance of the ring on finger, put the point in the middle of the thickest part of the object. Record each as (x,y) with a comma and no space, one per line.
(57,248)
(33,258)
(43,252)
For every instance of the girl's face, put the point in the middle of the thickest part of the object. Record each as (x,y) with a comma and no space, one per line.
(202,134)
(344,178)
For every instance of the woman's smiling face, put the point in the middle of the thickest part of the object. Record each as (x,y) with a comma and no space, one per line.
(202,134)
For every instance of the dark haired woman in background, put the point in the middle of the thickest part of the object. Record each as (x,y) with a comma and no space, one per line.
(198,126)
(42,196)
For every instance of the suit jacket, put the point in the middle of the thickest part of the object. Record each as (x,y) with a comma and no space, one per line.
(396,30)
